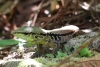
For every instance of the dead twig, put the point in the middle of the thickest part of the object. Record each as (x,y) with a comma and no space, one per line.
(8,6)
(36,14)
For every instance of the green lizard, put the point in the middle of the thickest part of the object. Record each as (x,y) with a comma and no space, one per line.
(57,36)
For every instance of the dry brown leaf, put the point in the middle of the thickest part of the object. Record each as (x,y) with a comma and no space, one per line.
(85,62)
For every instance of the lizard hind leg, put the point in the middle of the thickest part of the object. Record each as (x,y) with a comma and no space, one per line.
(54,52)
(57,48)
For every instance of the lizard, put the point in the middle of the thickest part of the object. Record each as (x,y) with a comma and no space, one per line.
(59,35)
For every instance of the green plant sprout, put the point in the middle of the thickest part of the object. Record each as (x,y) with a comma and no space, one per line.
(86,52)
(60,54)
(8,42)
(67,49)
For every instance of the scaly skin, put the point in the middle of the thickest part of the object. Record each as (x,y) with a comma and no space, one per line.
(58,36)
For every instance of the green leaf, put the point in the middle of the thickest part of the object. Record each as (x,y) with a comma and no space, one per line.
(8,42)
(75,47)
(84,51)
(67,48)
(89,54)
(59,54)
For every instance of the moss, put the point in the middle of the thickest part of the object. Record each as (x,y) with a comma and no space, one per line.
(22,63)
(29,63)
